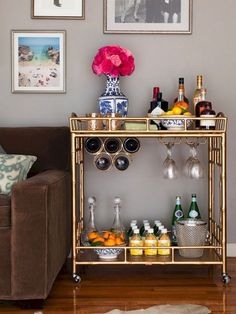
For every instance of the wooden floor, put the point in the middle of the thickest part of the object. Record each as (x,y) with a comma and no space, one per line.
(133,287)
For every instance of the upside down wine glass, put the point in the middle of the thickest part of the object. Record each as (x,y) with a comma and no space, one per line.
(170,170)
(193,168)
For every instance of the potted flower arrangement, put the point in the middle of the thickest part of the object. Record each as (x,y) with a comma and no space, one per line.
(113,61)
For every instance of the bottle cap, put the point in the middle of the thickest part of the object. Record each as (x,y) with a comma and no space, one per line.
(156,221)
(145,220)
(134,221)
(161,227)
(134,227)
(136,231)
(132,224)
(164,230)
(147,227)
(117,200)
(91,200)
(150,230)
(181,80)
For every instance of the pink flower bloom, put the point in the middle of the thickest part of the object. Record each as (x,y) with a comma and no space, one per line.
(113,60)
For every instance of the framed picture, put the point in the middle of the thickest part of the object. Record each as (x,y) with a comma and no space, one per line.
(58,9)
(148,16)
(38,61)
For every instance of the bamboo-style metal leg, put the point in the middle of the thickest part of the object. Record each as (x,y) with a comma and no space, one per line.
(74,187)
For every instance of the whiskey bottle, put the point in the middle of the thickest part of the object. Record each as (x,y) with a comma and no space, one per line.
(181,87)
(197,93)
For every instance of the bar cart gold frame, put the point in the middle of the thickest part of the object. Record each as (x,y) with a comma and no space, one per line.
(214,251)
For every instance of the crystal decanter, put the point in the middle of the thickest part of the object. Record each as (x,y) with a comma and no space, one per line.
(90,228)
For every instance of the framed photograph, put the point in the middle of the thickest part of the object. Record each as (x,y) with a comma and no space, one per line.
(58,9)
(148,16)
(38,61)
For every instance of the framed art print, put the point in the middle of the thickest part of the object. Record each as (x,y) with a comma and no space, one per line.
(148,16)
(38,61)
(58,9)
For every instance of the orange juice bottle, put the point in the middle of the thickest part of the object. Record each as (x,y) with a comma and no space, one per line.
(164,240)
(136,240)
(151,241)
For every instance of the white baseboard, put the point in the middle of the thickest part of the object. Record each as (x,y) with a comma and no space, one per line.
(231,249)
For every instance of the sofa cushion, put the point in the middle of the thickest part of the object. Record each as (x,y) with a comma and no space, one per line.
(13,168)
(5,211)
(51,145)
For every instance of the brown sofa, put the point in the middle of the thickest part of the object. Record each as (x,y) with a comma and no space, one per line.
(35,219)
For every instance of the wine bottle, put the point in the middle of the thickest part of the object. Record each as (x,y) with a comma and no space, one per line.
(93,145)
(194,210)
(121,162)
(112,145)
(181,87)
(103,161)
(208,124)
(197,93)
(131,145)
(178,214)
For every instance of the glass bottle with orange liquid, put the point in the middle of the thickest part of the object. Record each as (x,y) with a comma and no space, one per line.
(164,240)
(151,241)
(136,240)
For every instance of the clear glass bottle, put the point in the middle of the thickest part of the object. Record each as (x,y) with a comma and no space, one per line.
(142,227)
(194,211)
(164,240)
(157,224)
(151,241)
(197,93)
(178,214)
(131,229)
(136,240)
(146,228)
(161,227)
(117,226)
(90,231)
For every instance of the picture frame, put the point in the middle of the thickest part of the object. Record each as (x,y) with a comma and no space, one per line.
(38,61)
(58,9)
(148,16)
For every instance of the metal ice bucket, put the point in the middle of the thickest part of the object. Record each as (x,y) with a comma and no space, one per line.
(191,232)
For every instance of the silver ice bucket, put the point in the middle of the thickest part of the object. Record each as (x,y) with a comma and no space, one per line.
(191,232)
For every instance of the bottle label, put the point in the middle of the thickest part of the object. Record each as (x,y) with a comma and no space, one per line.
(193,214)
(179,214)
(136,252)
(207,123)
(164,243)
(150,243)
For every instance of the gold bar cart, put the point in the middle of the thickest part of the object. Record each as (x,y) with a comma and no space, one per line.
(215,250)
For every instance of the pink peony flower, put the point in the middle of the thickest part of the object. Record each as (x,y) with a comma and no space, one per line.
(113,60)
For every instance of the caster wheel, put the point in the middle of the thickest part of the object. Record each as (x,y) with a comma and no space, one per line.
(226,279)
(77,278)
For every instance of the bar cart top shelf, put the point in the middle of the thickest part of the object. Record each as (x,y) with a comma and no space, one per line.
(142,126)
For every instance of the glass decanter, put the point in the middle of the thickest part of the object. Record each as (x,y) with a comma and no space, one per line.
(90,230)
(117,226)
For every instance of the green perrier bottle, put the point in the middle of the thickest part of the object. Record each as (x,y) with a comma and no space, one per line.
(194,212)
(178,214)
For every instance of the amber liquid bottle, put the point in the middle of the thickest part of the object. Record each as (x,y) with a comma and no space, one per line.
(181,87)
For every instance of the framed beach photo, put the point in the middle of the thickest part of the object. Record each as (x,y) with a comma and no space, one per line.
(148,16)
(58,9)
(38,61)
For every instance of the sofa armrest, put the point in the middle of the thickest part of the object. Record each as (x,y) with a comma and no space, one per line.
(41,208)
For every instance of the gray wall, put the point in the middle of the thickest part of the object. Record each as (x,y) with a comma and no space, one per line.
(160,60)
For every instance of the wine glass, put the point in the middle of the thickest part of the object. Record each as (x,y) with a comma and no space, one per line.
(170,170)
(193,166)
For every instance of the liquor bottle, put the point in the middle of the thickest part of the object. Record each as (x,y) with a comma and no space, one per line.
(103,161)
(194,212)
(180,101)
(153,103)
(164,240)
(208,113)
(121,162)
(181,87)
(93,145)
(151,241)
(90,227)
(112,145)
(117,226)
(197,93)
(201,106)
(136,240)
(178,214)
(131,145)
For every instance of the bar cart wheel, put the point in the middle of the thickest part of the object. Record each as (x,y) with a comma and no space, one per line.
(77,278)
(226,278)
